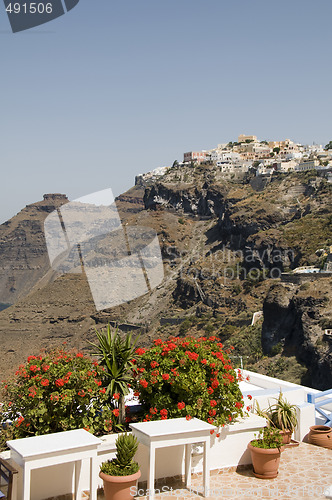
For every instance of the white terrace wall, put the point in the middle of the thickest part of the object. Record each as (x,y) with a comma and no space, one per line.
(267,390)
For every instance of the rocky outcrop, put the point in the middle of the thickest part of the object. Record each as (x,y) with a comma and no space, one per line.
(23,254)
(293,318)
(208,201)
(190,291)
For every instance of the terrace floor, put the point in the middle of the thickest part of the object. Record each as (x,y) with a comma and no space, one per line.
(305,472)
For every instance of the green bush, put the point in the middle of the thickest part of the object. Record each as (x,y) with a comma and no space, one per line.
(57,391)
(268,438)
(188,377)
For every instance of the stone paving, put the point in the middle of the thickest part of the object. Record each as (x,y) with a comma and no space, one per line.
(305,472)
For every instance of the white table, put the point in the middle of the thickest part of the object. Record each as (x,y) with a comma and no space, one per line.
(173,432)
(52,449)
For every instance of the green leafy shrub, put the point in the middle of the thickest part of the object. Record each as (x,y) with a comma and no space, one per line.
(185,326)
(58,391)
(122,464)
(268,437)
(188,377)
(276,349)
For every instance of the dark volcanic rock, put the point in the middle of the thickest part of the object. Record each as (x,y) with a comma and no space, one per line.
(294,320)
(208,201)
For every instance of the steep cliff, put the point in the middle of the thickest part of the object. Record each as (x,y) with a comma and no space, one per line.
(23,254)
(294,320)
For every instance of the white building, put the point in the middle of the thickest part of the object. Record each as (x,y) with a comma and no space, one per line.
(307,165)
(218,155)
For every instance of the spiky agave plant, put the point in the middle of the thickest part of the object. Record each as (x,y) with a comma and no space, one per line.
(115,355)
(123,464)
(283,414)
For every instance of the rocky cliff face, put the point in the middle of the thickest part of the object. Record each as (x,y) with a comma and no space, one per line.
(23,253)
(208,200)
(294,320)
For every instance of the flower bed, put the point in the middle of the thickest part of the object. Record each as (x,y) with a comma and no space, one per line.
(188,377)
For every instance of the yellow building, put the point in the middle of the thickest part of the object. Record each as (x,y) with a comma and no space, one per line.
(244,138)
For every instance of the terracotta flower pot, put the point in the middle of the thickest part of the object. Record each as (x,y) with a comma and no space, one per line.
(119,487)
(265,461)
(286,436)
(321,435)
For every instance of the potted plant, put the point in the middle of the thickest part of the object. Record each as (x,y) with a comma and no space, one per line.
(265,453)
(281,415)
(120,475)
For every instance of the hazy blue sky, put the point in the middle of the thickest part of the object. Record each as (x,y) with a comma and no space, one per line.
(113,89)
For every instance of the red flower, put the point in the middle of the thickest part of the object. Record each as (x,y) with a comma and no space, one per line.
(102,391)
(188,417)
(165,376)
(59,382)
(213,403)
(212,413)
(158,341)
(45,367)
(214,383)
(143,383)
(181,405)
(171,346)
(19,421)
(210,390)
(212,365)
(163,412)
(116,395)
(45,382)
(192,355)
(140,351)
(153,411)
(79,355)
(81,393)
(116,412)
(203,361)
(212,431)
(98,382)
(32,392)
(34,368)
(217,435)
(238,404)
(154,364)
(249,397)
(30,358)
